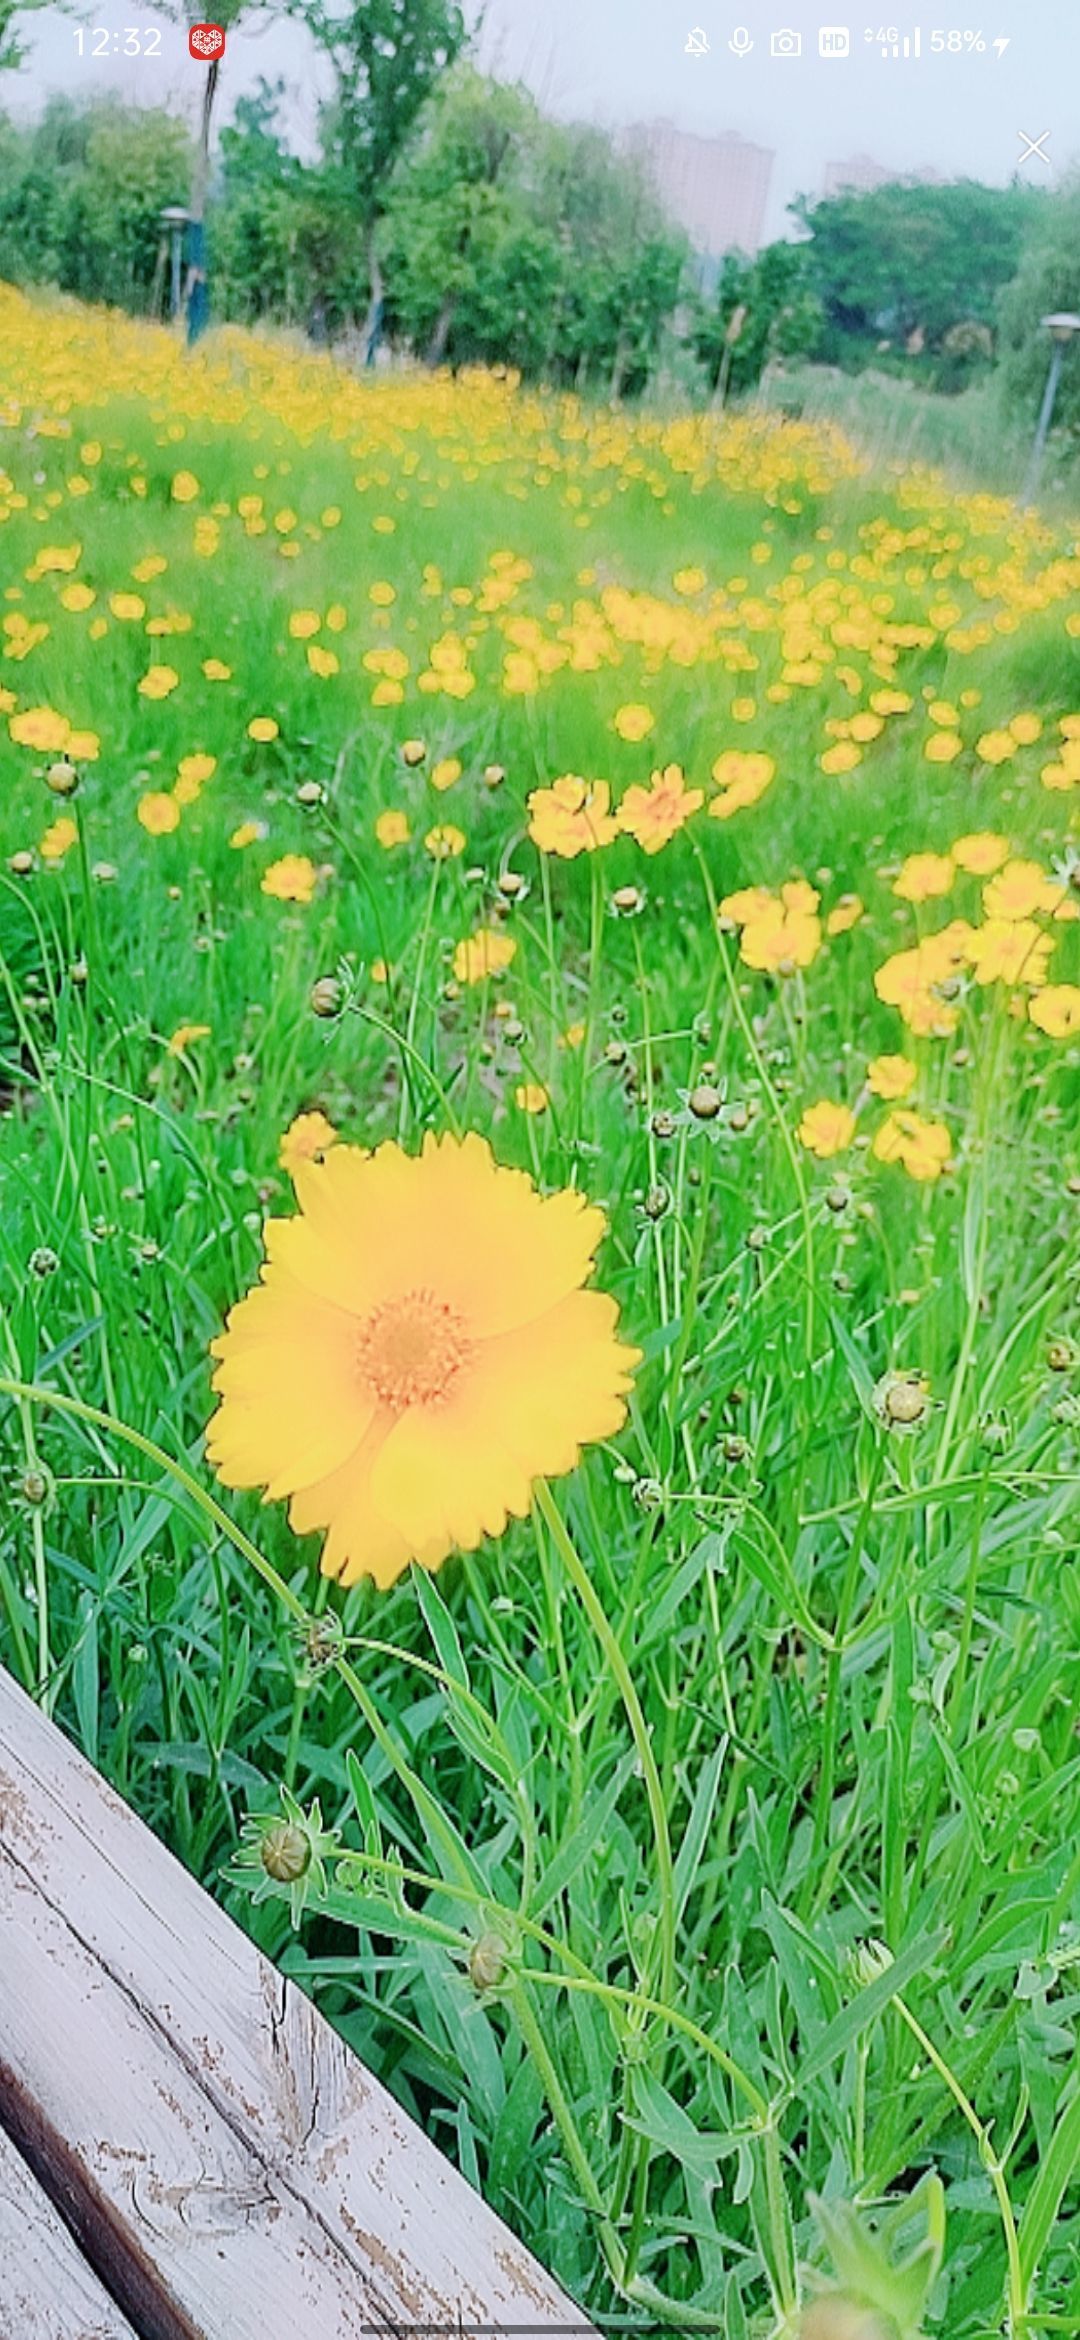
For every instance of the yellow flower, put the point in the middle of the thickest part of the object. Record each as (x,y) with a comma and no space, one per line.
(292,879)
(826,1129)
(445,843)
(127,607)
(307,1139)
(847,913)
(995,747)
(1057,1010)
(482,954)
(980,853)
(215,671)
(922,1147)
(742,775)
(185,488)
(1026,728)
(841,758)
(419,1351)
(263,728)
(158,681)
(923,876)
(392,828)
(572,816)
(196,769)
(891,1077)
(633,722)
(183,1037)
(1021,889)
(574,1036)
(41,728)
(58,839)
(943,747)
(158,813)
(531,1097)
(322,662)
(1009,950)
(248,833)
(653,815)
(303,624)
(445,772)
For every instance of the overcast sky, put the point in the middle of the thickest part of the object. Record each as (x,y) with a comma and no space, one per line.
(619,61)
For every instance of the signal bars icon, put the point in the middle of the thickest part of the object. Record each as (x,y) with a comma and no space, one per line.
(905,45)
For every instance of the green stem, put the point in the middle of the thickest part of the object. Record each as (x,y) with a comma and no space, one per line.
(605,1635)
(1016,2297)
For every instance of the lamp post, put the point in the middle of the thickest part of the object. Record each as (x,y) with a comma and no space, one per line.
(174,220)
(1061,327)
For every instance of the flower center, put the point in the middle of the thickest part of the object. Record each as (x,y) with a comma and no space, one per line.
(412,1349)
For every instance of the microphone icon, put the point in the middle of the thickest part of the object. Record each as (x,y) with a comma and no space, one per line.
(740,43)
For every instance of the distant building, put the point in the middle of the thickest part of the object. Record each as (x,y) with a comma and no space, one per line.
(857,176)
(860,174)
(716,188)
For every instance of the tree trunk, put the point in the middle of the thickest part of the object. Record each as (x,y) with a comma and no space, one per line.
(436,349)
(197,288)
(369,331)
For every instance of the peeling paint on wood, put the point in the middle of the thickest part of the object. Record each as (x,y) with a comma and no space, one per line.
(219,2153)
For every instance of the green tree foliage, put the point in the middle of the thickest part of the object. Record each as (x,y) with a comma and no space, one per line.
(1047,280)
(508,236)
(899,268)
(282,245)
(12,45)
(760,309)
(386,56)
(81,192)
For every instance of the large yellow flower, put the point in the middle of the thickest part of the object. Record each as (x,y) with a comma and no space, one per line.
(420,1349)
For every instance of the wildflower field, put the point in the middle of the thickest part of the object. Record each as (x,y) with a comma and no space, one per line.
(585,902)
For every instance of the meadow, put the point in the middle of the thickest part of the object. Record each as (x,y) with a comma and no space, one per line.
(600,889)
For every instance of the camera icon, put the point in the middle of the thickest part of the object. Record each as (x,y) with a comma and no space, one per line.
(786,43)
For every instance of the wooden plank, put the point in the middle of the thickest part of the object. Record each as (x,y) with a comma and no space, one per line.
(47,2291)
(233,2167)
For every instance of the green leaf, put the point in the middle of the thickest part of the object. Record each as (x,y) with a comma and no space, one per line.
(870,2003)
(1056,2171)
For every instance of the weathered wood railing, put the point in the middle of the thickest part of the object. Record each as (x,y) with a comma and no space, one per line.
(187,2150)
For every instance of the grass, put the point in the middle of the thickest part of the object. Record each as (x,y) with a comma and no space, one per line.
(699,1862)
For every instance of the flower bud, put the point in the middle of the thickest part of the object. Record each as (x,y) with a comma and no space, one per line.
(285,1853)
(902,1400)
(21,864)
(705,1102)
(494,775)
(487,1962)
(311,792)
(35,1487)
(1061,1356)
(43,1262)
(326,996)
(61,777)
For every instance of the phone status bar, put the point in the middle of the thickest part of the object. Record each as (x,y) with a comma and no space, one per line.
(833,43)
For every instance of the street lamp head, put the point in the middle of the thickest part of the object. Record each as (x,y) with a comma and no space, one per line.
(1062,324)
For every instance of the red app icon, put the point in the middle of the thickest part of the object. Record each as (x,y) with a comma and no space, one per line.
(206,42)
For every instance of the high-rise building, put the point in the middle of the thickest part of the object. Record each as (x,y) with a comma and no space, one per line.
(717,188)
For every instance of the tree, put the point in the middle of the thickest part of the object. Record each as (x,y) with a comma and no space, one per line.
(903,264)
(282,247)
(1047,280)
(386,57)
(12,47)
(470,266)
(81,193)
(510,237)
(761,309)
